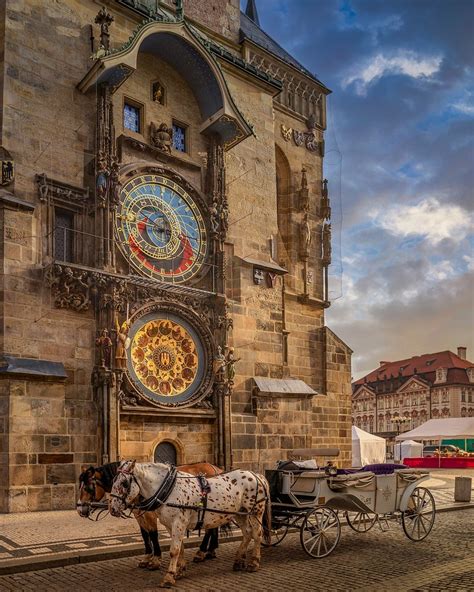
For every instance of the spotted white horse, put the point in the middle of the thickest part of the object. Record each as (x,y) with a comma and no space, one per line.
(176,497)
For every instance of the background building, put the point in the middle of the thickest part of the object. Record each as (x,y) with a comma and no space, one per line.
(165,243)
(399,396)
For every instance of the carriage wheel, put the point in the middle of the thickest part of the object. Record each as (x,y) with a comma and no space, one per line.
(419,517)
(278,533)
(361,521)
(320,532)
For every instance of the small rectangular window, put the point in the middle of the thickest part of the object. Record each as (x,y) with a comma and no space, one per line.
(63,235)
(179,137)
(132,117)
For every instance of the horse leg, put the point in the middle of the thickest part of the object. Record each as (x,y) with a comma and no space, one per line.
(213,544)
(181,563)
(148,549)
(155,561)
(201,554)
(177,534)
(257,531)
(239,561)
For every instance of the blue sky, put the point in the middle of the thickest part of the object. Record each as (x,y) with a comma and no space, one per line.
(400,159)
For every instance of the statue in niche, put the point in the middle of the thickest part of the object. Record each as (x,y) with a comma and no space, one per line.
(231,361)
(158,93)
(104,344)
(219,364)
(122,344)
(326,245)
(305,236)
(214,217)
(161,137)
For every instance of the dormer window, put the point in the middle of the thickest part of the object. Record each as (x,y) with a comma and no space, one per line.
(470,374)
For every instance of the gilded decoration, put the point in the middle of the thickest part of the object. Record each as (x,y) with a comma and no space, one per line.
(168,355)
(165,357)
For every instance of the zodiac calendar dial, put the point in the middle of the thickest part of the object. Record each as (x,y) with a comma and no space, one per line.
(165,358)
(160,229)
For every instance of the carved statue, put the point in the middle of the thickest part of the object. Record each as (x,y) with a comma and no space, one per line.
(214,217)
(161,137)
(231,361)
(122,343)
(104,19)
(43,187)
(326,245)
(104,344)
(158,93)
(219,364)
(304,192)
(305,236)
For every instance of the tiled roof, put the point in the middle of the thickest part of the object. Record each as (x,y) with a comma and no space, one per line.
(250,30)
(426,364)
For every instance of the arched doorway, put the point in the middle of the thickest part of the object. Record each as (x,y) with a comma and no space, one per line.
(166,452)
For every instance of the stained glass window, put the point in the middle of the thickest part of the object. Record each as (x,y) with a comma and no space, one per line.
(63,235)
(179,137)
(131,117)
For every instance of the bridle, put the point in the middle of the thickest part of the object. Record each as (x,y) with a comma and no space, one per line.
(90,487)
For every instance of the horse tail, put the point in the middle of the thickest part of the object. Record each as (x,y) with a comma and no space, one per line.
(267,521)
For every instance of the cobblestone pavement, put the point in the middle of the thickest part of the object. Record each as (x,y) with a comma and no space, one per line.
(372,562)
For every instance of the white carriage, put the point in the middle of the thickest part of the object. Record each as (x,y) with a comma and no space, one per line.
(314,500)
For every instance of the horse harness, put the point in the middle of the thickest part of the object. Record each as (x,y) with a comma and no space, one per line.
(159,498)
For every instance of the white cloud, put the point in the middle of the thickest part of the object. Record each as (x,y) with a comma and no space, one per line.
(429,218)
(440,271)
(464,107)
(407,63)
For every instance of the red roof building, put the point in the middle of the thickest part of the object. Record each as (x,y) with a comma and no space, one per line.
(398,396)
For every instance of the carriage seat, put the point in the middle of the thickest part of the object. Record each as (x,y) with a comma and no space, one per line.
(383,469)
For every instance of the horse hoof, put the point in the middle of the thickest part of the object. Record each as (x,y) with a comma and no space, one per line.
(167,583)
(153,565)
(211,555)
(200,556)
(252,568)
(239,566)
(143,563)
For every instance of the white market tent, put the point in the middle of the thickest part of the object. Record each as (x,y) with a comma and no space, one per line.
(367,449)
(408,449)
(440,429)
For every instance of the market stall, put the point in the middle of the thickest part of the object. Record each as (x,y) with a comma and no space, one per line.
(367,449)
(437,430)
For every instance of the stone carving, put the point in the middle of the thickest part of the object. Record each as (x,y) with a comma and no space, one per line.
(161,137)
(104,345)
(326,245)
(225,321)
(158,92)
(258,276)
(7,168)
(286,132)
(72,288)
(214,218)
(230,363)
(304,192)
(298,137)
(104,19)
(215,188)
(305,237)
(59,191)
(122,343)
(219,365)
(325,208)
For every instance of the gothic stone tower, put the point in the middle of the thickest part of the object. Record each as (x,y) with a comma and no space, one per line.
(165,243)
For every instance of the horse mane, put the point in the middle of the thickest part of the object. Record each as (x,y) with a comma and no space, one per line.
(107,474)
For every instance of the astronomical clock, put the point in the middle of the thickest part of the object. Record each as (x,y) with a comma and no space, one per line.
(161,231)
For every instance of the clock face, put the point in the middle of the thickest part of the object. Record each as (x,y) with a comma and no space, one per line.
(165,358)
(160,229)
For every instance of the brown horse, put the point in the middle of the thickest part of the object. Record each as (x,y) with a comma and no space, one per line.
(95,482)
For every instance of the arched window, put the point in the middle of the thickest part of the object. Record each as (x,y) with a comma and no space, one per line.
(166,452)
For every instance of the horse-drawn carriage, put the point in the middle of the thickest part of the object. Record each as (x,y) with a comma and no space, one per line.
(313,500)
